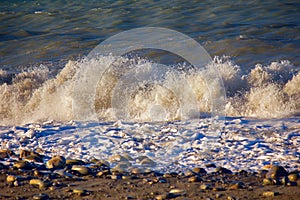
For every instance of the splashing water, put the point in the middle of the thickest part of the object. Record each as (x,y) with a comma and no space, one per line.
(266,92)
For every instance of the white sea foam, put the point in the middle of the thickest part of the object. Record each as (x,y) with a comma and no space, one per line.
(247,144)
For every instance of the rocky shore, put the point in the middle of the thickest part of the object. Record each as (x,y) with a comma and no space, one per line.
(31,175)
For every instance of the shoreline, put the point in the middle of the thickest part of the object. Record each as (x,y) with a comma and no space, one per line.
(28,176)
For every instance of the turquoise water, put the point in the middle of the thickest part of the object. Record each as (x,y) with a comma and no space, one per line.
(251,32)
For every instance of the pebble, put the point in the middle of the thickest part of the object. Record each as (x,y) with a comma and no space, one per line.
(24,153)
(268,181)
(56,162)
(293,177)
(103,173)
(162,197)
(38,182)
(269,194)
(115,177)
(81,169)
(189,173)
(205,187)
(74,162)
(16,183)
(102,163)
(11,178)
(230,198)
(177,191)
(194,179)
(63,173)
(5,153)
(236,186)
(199,170)
(276,172)
(80,192)
(23,165)
(40,197)
(34,158)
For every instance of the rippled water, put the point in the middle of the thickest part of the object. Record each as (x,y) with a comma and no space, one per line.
(251,32)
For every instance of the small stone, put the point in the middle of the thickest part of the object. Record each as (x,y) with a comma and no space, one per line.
(162,197)
(94,160)
(218,189)
(63,173)
(80,192)
(24,153)
(125,177)
(74,162)
(36,182)
(199,170)
(103,173)
(188,173)
(276,172)
(37,173)
(5,153)
(40,197)
(52,188)
(23,165)
(293,177)
(115,177)
(194,179)
(11,178)
(292,184)
(230,198)
(284,180)
(269,194)
(161,180)
(103,163)
(205,187)
(218,195)
(16,183)
(268,181)
(34,158)
(56,162)
(236,186)
(177,191)
(81,169)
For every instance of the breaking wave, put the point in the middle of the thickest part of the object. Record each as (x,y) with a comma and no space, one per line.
(271,91)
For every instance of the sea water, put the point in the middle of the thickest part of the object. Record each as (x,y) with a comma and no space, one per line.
(255,50)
